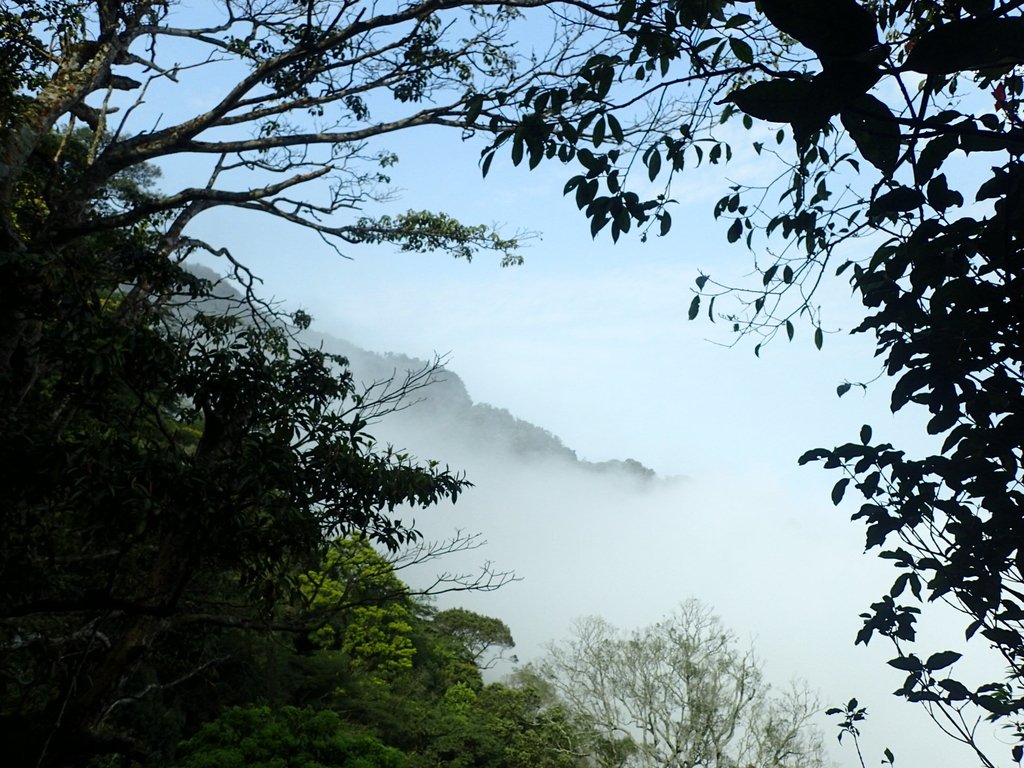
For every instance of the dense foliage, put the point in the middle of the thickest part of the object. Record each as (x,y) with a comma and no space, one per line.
(200,538)
(260,737)
(177,463)
(344,703)
(177,469)
(192,494)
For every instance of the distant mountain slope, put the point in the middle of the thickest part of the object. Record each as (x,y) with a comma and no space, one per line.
(441,420)
(445,416)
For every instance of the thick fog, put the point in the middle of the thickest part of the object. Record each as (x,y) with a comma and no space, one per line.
(616,540)
(591,345)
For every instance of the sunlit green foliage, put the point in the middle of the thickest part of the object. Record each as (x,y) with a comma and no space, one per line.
(364,607)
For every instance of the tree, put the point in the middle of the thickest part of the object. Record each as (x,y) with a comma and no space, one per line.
(533,729)
(677,693)
(504,726)
(357,603)
(363,608)
(483,639)
(897,134)
(412,675)
(180,480)
(310,86)
(187,458)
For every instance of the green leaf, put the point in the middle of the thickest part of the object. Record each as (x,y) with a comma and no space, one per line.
(899,585)
(990,121)
(665,223)
(874,130)
(741,50)
(968,44)
(735,231)
(943,420)
(977,141)
(941,660)
(517,149)
(865,434)
(653,164)
(615,127)
(839,489)
(790,330)
(778,101)
(625,13)
(995,187)
(827,27)
(957,691)
(897,200)
(934,154)
(907,663)
(474,107)
(815,454)
(819,338)
(694,308)
(940,196)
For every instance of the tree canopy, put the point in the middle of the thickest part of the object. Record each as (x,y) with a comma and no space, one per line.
(677,693)
(178,462)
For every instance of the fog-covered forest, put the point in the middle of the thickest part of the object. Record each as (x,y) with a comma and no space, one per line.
(231,538)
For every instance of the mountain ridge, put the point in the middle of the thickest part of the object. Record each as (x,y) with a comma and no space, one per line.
(446,402)
(441,412)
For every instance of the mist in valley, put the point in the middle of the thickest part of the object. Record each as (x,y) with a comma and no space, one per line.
(727,518)
(612,538)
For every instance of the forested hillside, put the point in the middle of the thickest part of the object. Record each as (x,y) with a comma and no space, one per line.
(444,415)
(439,416)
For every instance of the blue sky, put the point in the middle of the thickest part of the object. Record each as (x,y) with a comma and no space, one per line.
(590,341)
(587,338)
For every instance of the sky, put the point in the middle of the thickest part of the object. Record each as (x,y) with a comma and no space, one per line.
(591,341)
